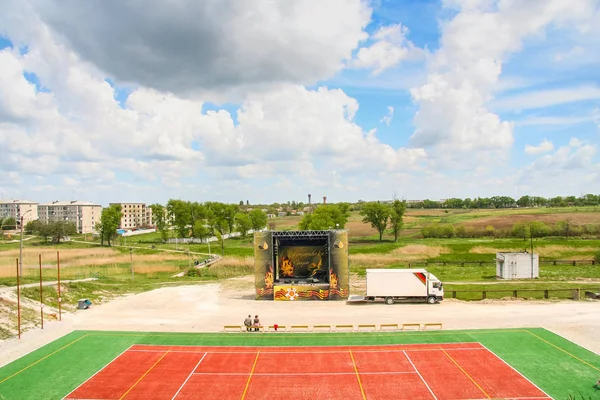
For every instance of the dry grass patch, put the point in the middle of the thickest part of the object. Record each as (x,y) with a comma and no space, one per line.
(493,250)
(420,250)
(544,251)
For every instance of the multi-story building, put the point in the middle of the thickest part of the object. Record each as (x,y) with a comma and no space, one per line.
(134,215)
(17,209)
(83,214)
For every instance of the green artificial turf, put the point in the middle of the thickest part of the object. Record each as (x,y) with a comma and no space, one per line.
(557,366)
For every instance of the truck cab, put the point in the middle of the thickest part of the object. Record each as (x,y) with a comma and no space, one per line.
(435,289)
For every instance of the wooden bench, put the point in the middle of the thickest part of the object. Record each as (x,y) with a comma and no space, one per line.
(388,327)
(432,325)
(322,328)
(234,328)
(370,327)
(411,327)
(297,328)
(344,327)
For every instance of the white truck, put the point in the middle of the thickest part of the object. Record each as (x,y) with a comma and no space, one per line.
(392,285)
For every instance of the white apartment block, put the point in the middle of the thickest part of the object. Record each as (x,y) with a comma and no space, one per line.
(19,208)
(134,215)
(83,214)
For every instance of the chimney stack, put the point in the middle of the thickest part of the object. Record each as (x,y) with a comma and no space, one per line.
(324,199)
(309,199)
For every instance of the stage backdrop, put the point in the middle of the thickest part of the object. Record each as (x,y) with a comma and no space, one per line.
(325,264)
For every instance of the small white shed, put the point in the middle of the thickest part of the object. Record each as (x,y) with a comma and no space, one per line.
(517,265)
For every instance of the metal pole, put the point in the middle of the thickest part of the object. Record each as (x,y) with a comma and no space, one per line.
(21,250)
(131,262)
(208,241)
(59,299)
(18,302)
(531,240)
(41,294)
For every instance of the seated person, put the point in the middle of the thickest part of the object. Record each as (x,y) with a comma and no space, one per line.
(256,323)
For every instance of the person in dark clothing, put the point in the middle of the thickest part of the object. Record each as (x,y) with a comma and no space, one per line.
(248,323)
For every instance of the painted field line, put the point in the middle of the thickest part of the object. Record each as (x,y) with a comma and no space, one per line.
(467,375)
(563,350)
(420,376)
(189,376)
(362,391)
(318,348)
(307,352)
(143,376)
(303,373)
(523,376)
(41,359)
(250,376)
(97,372)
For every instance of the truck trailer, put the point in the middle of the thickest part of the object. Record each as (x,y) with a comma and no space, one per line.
(395,285)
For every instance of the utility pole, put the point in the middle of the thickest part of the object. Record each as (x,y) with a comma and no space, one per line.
(531,241)
(21,244)
(131,262)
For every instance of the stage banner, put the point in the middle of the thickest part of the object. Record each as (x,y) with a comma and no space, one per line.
(304,292)
(303,262)
(263,265)
(339,275)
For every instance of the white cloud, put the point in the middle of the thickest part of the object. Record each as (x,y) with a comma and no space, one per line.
(192,46)
(575,51)
(544,147)
(533,121)
(545,98)
(387,119)
(390,47)
(453,118)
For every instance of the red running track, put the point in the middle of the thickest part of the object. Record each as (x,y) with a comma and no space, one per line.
(417,371)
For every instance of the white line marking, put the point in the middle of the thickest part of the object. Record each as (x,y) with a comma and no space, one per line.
(524,377)
(302,373)
(316,347)
(189,376)
(420,376)
(100,370)
(302,352)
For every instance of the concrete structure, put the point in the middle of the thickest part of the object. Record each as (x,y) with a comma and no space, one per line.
(517,265)
(134,215)
(83,214)
(17,208)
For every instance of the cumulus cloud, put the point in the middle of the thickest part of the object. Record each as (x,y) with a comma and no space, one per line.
(390,47)
(544,147)
(189,45)
(453,117)
(387,119)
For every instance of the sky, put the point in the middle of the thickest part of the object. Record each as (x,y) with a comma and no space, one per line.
(267,101)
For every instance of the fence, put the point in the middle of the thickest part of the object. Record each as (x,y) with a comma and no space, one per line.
(572,293)
(482,263)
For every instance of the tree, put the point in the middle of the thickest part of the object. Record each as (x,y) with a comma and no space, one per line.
(218,214)
(41,229)
(325,217)
(60,229)
(377,214)
(231,211)
(200,230)
(258,219)
(243,223)
(179,214)
(159,213)
(109,222)
(396,217)
(9,223)
(30,227)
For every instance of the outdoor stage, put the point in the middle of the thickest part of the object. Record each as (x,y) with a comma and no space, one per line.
(417,371)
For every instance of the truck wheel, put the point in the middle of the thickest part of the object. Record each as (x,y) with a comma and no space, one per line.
(389,300)
(431,300)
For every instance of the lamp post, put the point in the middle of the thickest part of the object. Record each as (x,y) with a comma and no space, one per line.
(21,244)
(531,241)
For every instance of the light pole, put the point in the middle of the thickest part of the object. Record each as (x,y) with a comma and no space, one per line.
(21,244)
(531,241)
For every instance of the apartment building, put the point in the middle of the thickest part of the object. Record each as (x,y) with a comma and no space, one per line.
(17,209)
(134,215)
(83,214)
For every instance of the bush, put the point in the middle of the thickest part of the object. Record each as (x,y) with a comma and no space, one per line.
(193,272)
(597,257)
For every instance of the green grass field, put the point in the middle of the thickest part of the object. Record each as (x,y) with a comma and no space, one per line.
(557,366)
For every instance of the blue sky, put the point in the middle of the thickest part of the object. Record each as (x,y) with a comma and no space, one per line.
(353,100)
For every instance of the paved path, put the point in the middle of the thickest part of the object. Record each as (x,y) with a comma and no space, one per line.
(4,289)
(146,248)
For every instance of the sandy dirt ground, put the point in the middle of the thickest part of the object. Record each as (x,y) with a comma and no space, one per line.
(207,307)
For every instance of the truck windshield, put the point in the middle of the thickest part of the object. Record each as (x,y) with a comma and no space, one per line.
(437,285)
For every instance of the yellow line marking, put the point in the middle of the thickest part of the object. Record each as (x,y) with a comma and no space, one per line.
(565,351)
(357,376)
(465,372)
(250,377)
(143,376)
(42,359)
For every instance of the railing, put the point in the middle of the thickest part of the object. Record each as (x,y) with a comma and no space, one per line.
(482,263)
(573,293)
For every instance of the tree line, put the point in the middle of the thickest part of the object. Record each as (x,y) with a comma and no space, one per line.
(587,200)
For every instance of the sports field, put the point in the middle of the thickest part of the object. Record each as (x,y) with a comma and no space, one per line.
(482,364)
